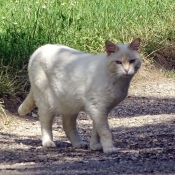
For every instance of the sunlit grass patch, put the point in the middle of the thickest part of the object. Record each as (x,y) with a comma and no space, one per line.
(84,25)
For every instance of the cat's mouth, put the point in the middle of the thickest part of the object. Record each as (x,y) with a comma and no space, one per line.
(127,75)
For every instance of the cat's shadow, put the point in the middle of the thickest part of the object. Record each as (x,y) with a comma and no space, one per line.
(140,106)
(37,143)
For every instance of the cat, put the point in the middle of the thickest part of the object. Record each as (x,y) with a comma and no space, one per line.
(66,81)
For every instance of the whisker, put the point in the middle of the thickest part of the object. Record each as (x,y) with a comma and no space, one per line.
(113,74)
(117,75)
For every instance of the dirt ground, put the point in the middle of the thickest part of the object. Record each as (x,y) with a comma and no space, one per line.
(143,129)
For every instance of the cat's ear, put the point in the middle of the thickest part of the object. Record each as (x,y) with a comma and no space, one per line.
(110,47)
(135,45)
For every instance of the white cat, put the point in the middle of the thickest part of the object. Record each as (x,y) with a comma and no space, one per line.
(67,81)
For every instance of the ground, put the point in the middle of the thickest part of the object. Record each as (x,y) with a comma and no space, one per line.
(143,129)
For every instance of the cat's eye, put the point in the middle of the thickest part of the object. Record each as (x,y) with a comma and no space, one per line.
(132,61)
(118,62)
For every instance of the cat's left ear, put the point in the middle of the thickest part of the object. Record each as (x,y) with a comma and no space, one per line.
(135,45)
(110,47)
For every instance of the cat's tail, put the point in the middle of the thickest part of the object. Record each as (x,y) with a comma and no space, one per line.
(27,105)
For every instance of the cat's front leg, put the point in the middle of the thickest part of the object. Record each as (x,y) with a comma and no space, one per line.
(69,126)
(46,120)
(104,132)
(102,127)
(95,143)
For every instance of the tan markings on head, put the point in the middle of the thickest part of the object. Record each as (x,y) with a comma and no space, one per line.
(125,63)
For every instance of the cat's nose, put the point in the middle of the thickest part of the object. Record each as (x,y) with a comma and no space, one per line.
(126,70)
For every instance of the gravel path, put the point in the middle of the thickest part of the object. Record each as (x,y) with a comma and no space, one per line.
(143,128)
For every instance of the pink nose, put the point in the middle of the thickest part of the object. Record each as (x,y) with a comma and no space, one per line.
(126,70)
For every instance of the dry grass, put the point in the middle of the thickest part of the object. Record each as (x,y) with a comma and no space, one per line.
(3,116)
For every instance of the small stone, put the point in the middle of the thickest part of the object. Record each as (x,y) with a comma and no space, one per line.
(34,115)
(134,158)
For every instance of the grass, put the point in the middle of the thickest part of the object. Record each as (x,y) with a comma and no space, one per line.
(2,111)
(83,25)
(4,119)
(170,74)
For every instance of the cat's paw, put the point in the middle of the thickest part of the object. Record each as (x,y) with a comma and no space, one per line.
(49,144)
(97,147)
(81,144)
(110,150)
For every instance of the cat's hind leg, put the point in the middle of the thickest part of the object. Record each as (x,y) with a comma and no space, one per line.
(46,119)
(70,128)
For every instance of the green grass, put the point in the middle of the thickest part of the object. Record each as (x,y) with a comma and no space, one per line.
(83,25)
(170,74)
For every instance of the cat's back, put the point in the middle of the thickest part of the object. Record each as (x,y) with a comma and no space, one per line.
(54,58)
(55,53)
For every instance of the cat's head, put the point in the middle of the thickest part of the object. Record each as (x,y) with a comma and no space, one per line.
(123,60)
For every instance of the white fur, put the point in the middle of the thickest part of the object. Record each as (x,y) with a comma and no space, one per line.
(67,81)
